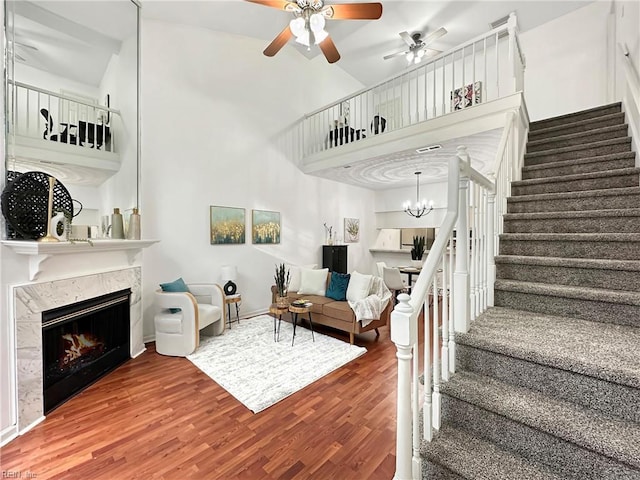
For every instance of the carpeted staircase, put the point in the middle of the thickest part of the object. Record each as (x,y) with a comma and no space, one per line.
(548,382)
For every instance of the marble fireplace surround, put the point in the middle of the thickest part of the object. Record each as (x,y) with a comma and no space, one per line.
(30,300)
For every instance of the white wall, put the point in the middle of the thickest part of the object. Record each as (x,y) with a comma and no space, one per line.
(213,108)
(119,81)
(566,62)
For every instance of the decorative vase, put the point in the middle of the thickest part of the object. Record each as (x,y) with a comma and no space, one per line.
(416,263)
(117,225)
(282,302)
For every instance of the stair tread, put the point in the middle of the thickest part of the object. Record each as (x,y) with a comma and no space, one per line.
(602,350)
(533,125)
(475,458)
(578,237)
(593,263)
(571,136)
(584,146)
(613,212)
(579,161)
(579,194)
(627,297)
(544,131)
(577,176)
(601,433)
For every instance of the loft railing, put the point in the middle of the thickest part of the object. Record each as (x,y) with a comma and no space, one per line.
(457,282)
(482,69)
(36,113)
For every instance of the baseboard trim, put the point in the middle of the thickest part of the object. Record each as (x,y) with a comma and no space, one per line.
(8,434)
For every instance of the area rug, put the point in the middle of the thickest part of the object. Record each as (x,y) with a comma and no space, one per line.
(247,362)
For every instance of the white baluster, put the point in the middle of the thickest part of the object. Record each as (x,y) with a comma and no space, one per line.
(435,338)
(444,354)
(452,293)
(427,413)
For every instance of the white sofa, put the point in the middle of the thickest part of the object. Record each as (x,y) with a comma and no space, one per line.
(201,309)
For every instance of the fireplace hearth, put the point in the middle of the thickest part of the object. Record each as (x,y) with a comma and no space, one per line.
(83,342)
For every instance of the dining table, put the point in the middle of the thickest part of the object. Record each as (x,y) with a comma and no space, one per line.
(410,271)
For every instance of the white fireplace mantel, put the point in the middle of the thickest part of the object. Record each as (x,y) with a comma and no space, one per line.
(40,252)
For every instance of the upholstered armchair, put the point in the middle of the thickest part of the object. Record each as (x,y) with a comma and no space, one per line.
(182,315)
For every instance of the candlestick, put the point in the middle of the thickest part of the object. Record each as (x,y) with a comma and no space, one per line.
(48,237)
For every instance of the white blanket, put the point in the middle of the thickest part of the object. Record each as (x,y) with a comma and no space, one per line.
(370,308)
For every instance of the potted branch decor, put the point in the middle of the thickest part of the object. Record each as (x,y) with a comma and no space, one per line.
(282,283)
(418,250)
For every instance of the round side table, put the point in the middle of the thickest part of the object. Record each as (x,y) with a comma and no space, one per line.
(233,299)
(295,311)
(275,310)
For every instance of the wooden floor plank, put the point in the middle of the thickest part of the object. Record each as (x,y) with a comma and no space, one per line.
(160,417)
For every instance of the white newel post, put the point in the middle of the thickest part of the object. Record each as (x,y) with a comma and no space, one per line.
(491,261)
(404,335)
(461,306)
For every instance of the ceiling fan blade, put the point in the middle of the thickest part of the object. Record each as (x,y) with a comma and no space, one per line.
(431,52)
(432,37)
(391,55)
(280,41)
(408,39)
(329,49)
(279,4)
(355,11)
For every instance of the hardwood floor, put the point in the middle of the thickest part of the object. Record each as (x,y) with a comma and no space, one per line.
(162,418)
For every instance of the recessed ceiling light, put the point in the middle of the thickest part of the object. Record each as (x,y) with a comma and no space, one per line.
(428,149)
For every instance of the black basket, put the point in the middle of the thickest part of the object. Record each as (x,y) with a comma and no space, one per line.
(25,203)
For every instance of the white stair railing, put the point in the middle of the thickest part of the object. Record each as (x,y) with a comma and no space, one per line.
(453,287)
(39,114)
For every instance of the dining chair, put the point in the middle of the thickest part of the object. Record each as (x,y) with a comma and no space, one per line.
(64,136)
(393,280)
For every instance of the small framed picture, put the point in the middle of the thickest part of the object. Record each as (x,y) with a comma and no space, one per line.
(351,230)
(227,225)
(265,227)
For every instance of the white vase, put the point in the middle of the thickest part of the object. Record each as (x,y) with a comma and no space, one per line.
(416,263)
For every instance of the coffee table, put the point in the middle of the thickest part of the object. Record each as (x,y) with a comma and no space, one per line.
(274,310)
(297,310)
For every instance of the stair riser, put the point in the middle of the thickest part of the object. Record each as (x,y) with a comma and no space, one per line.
(570,459)
(550,144)
(576,154)
(571,249)
(575,204)
(605,122)
(577,277)
(577,117)
(622,224)
(579,168)
(618,181)
(431,471)
(595,311)
(607,397)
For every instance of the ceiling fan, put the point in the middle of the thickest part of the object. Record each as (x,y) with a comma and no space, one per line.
(309,22)
(418,46)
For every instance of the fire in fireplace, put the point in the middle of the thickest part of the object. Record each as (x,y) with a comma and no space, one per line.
(83,342)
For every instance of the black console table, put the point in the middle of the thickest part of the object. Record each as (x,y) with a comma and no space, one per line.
(334,257)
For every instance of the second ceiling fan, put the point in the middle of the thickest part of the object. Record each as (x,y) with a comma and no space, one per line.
(418,46)
(309,22)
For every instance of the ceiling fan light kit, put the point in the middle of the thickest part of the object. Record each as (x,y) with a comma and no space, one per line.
(308,24)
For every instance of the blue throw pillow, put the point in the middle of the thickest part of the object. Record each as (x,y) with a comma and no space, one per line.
(175,286)
(338,286)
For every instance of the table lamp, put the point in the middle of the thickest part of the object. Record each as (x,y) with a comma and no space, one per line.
(229,273)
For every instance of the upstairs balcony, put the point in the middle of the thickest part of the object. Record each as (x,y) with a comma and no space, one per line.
(72,138)
(458,93)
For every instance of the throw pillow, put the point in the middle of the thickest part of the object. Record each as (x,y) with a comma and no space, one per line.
(338,286)
(313,282)
(294,279)
(175,286)
(359,286)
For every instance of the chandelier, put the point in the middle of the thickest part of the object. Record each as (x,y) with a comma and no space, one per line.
(421,208)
